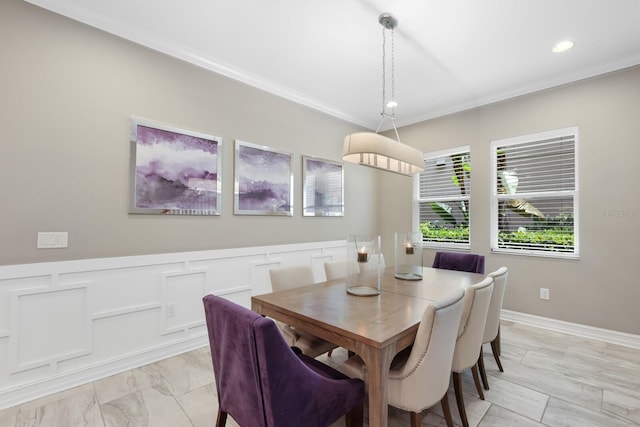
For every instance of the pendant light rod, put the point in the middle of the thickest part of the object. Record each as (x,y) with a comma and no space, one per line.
(388,21)
(375,150)
(391,117)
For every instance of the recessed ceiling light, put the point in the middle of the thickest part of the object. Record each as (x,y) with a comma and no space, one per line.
(562,46)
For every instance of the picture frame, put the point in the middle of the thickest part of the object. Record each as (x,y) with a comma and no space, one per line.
(322,187)
(174,171)
(263,180)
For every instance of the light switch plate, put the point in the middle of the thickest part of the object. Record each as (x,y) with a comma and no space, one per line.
(53,239)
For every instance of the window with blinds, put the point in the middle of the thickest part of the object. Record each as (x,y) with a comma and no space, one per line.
(535,194)
(444,190)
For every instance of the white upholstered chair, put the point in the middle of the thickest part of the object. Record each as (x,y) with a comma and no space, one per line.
(419,375)
(492,327)
(338,269)
(380,260)
(335,269)
(469,341)
(286,278)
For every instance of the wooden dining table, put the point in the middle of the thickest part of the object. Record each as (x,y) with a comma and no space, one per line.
(374,327)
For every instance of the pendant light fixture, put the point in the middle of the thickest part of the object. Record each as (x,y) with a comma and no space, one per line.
(373,149)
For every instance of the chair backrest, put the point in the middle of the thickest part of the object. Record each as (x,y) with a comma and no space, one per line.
(500,277)
(235,359)
(471,263)
(261,382)
(380,260)
(371,264)
(472,322)
(335,269)
(424,378)
(285,278)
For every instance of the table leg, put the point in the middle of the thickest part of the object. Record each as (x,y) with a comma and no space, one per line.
(378,362)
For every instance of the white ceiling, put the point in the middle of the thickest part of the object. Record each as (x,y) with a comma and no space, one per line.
(327,54)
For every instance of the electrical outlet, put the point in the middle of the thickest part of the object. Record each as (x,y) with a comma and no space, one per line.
(171,309)
(544,294)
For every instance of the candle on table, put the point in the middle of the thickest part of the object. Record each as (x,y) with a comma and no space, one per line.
(409,248)
(362,255)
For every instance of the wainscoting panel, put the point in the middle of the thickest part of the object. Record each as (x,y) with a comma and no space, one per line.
(182,289)
(63,324)
(260,275)
(41,334)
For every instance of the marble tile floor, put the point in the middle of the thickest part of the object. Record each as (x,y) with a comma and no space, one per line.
(550,379)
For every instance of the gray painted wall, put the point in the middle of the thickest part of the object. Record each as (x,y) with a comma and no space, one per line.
(601,288)
(68,92)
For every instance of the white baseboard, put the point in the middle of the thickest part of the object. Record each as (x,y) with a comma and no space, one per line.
(606,335)
(55,384)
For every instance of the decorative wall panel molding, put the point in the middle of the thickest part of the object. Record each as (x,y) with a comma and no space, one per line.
(68,323)
(260,274)
(185,290)
(318,260)
(49,325)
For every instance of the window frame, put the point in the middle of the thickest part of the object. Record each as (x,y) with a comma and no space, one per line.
(541,137)
(417,200)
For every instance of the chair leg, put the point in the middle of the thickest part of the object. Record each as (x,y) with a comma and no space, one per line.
(495,348)
(457,386)
(416,417)
(355,417)
(476,380)
(483,373)
(498,342)
(446,410)
(222,418)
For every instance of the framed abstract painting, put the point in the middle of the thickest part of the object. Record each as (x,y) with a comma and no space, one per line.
(263,181)
(174,171)
(322,187)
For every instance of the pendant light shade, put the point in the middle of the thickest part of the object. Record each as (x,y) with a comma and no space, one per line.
(379,151)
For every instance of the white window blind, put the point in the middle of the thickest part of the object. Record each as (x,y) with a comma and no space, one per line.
(535,193)
(444,191)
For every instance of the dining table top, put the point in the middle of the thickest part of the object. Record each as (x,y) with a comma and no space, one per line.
(375,327)
(375,319)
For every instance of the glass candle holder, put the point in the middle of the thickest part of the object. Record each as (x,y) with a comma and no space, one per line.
(408,254)
(363,265)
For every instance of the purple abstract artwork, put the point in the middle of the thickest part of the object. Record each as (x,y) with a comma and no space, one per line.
(175,172)
(263,181)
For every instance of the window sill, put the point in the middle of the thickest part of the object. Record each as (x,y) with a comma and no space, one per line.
(557,255)
(442,245)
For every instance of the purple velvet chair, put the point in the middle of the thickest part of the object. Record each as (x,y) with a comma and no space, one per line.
(461,262)
(261,382)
